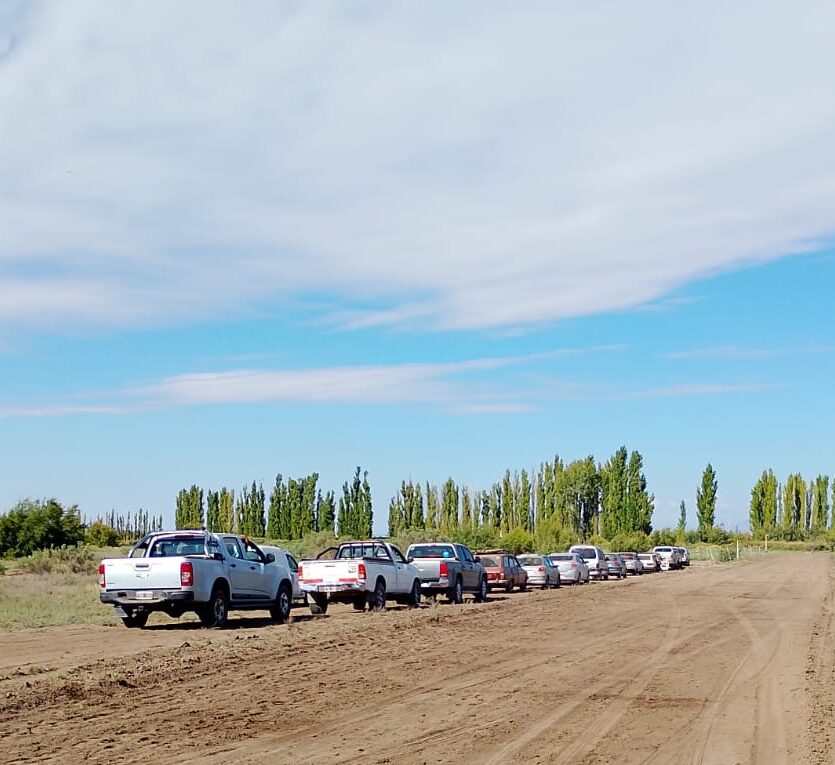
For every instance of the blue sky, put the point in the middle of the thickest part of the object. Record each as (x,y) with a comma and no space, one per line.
(422,240)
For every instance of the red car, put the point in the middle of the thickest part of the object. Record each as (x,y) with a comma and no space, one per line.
(503,570)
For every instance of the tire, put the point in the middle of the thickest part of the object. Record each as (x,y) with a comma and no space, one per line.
(414,595)
(559,582)
(524,586)
(135,620)
(508,587)
(318,604)
(377,599)
(481,595)
(456,594)
(216,612)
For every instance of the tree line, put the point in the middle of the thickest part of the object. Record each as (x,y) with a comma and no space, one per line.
(580,499)
(792,509)
(296,507)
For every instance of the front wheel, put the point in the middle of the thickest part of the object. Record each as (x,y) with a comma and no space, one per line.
(481,595)
(523,586)
(414,595)
(136,619)
(215,613)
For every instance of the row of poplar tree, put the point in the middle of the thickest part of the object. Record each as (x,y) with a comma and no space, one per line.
(792,508)
(581,497)
(296,507)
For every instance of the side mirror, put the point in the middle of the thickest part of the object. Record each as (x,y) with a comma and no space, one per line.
(477,559)
(270,558)
(217,556)
(410,560)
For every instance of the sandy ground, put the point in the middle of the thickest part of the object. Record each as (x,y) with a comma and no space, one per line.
(718,664)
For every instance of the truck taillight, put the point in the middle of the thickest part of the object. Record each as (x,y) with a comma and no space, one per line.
(186,574)
(443,570)
(301,572)
(541,569)
(573,565)
(361,571)
(101,575)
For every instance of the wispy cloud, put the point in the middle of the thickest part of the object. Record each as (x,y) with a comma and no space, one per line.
(167,188)
(699,389)
(738,352)
(460,386)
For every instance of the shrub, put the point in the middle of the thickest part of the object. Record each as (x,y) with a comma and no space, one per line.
(37,525)
(635,542)
(101,535)
(518,541)
(64,560)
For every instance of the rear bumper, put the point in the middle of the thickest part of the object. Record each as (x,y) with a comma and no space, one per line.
(436,585)
(159,598)
(332,589)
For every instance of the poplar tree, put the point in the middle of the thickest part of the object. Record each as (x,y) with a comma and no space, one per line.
(226,511)
(820,503)
(466,509)
(213,511)
(681,527)
(706,501)
(327,512)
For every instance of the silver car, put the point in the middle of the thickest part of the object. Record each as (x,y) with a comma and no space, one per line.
(670,559)
(573,569)
(541,570)
(684,555)
(633,563)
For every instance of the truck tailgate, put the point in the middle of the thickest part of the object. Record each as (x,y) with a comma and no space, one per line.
(142,573)
(429,569)
(330,571)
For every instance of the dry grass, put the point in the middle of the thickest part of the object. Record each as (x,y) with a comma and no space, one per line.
(49,600)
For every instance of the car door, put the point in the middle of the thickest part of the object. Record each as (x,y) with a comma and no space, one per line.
(385,565)
(467,567)
(238,579)
(404,576)
(258,582)
(293,570)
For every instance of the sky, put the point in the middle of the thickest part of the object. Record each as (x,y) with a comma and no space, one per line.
(426,238)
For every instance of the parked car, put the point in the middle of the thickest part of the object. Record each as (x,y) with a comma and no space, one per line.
(285,558)
(448,569)
(633,563)
(617,565)
(541,570)
(573,569)
(595,559)
(670,558)
(650,562)
(363,573)
(503,570)
(684,555)
(209,574)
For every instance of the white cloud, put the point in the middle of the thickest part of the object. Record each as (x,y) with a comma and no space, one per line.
(454,166)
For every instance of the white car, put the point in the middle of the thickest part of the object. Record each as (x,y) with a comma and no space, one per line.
(670,558)
(573,569)
(285,558)
(595,559)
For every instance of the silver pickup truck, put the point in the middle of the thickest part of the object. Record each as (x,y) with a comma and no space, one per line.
(179,571)
(448,569)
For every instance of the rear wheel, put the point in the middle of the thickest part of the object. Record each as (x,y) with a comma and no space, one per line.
(509,587)
(135,619)
(456,594)
(318,603)
(377,598)
(481,595)
(216,612)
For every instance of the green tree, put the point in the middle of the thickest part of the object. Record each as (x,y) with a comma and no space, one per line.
(769,491)
(355,517)
(226,511)
(466,509)
(189,509)
(706,501)
(432,507)
(449,507)
(681,527)
(327,512)
(278,526)
(820,503)
(213,511)
(99,534)
(38,525)
(613,500)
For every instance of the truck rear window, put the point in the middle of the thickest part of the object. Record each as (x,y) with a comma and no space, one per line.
(432,551)
(586,553)
(172,547)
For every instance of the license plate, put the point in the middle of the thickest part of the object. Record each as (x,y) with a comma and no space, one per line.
(144,595)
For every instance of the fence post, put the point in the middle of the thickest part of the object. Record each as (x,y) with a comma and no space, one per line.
(737,549)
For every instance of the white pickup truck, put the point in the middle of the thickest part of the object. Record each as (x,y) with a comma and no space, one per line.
(179,571)
(365,573)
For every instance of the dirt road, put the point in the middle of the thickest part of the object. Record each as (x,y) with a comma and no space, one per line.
(718,664)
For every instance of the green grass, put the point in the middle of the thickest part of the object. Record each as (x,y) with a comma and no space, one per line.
(51,600)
